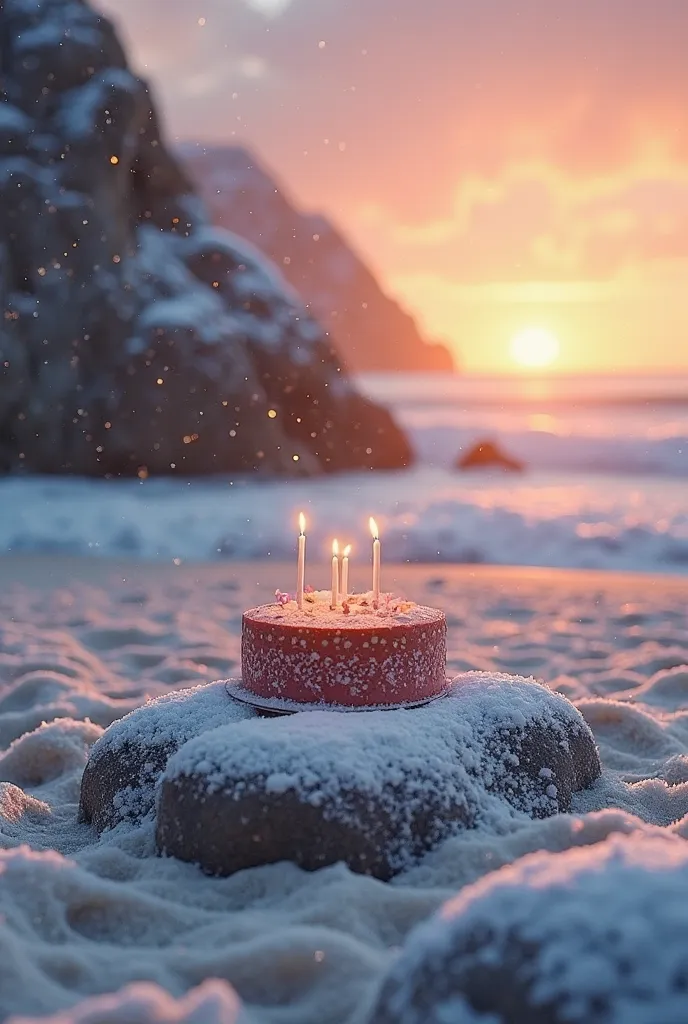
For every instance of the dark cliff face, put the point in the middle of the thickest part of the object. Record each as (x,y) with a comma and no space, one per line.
(370,329)
(135,337)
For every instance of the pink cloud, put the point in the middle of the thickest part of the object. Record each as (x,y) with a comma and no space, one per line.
(460,141)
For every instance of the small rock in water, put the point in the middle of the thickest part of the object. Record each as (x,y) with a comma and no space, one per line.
(488,455)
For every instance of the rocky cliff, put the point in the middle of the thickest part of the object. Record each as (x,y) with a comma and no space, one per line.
(136,338)
(370,328)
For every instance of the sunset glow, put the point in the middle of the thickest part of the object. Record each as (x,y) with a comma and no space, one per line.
(533,169)
(534,348)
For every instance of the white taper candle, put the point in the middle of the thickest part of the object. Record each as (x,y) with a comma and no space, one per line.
(335,574)
(376,560)
(301,563)
(344,585)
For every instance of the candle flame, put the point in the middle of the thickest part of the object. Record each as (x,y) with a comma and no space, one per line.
(347,551)
(302,523)
(335,548)
(373,529)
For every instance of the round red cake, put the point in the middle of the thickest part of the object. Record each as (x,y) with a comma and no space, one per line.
(356,655)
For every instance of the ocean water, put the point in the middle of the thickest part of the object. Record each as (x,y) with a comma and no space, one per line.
(628,425)
(605,486)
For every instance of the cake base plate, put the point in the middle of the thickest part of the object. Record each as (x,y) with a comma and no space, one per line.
(277,706)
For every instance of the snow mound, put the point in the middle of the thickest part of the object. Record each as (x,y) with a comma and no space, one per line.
(213,1002)
(83,914)
(595,935)
(15,804)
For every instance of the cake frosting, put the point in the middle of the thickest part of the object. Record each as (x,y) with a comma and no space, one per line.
(363,653)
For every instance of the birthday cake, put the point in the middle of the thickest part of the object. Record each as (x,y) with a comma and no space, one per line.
(361,653)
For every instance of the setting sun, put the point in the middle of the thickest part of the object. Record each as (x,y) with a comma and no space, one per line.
(534,347)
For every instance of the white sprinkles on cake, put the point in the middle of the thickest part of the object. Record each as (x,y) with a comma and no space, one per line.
(361,653)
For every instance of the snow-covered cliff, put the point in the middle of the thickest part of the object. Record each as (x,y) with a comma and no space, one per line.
(136,337)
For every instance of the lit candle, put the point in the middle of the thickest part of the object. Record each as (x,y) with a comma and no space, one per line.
(376,560)
(301,564)
(335,574)
(345,571)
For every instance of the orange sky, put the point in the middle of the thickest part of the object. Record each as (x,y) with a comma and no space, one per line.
(499,163)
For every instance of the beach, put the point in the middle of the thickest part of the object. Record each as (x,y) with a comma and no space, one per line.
(86,640)
(303,373)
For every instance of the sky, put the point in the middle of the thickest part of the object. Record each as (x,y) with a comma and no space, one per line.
(500,164)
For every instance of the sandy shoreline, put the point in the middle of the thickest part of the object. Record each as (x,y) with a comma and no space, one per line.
(84,641)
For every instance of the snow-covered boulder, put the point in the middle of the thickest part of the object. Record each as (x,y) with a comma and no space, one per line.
(135,338)
(126,762)
(595,935)
(373,789)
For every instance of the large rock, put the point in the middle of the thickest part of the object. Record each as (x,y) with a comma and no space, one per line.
(125,763)
(137,339)
(371,330)
(595,935)
(373,789)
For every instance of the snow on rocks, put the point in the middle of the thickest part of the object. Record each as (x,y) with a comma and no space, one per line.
(300,948)
(136,339)
(213,1002)
(595,935)
(126,762)
(314,789)
(374,789)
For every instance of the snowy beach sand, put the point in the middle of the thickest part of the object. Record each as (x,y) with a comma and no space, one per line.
(84,641)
